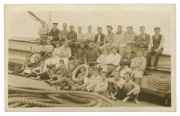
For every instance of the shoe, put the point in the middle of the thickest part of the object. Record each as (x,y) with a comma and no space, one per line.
(136,101)
(48,82)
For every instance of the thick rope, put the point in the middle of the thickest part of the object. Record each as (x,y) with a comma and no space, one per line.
(37,97)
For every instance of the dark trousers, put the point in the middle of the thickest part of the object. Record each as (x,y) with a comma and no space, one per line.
(156,57)
(44,76)
(72,47)
(122,93)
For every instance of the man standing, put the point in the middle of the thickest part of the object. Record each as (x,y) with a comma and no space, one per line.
(143,40)
(110,35)
(89,35)
(43,32)
(64,32)
(72,37)
(155,47)
(130,38)
(54,33)
(99,37)
(119,40)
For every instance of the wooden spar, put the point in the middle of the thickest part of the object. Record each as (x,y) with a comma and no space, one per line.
(34,16)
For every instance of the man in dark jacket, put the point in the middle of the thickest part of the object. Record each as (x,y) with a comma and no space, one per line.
(143,40)
(72,37)
(54,33)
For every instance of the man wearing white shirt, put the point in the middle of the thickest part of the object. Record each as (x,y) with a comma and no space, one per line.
(119,39)
(89,35)
(155,47)
(80,35)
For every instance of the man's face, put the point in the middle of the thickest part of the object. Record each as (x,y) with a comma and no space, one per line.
(66,44)
(157,31)
(54,26)
(48,42)
(57,45)
(89,28)
(90,71)
(129,30)
(71,28)
(109,29)
(79,29)
(27,58)
(61,64)
(105,51)
(128,49)
(71,67)
(64,26)
(95,73)
(91,45)
(114,50)
(126,77)
(103,76)
(142,29)
(139,53)
(99,30)
(119,28)
(36,59)
(82,45)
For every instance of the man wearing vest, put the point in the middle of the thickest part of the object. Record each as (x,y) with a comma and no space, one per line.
(155,47)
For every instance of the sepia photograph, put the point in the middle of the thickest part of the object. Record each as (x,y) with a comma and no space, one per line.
(90,57)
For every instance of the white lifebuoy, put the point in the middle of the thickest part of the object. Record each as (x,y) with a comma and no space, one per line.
(76,70)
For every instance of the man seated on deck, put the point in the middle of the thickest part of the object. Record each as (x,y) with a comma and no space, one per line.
(43,32)
(143,40)
(127,58)
(89,35)
(113,60)
(64,33)
(155,47)
(18,69)
(127,89)
(47,50)
(79,56)
(138,65)
(36,50)
(72,37)
(54,33)
(31,66)
(130,37)
(91,54)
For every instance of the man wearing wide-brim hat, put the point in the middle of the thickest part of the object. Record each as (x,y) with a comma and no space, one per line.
(155,47)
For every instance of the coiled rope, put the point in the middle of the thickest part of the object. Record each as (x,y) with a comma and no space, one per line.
(160,83)
(37,97)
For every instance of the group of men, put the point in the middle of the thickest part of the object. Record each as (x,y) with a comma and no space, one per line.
(120,39)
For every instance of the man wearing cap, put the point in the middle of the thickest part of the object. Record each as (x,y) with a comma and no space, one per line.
(110,35)
(99,37)
(130,38)
(79,56)
(89,35)
(155,47)
(143,40)
(64,32)
(43,32)
(119,40)
(54,32)
(72,37)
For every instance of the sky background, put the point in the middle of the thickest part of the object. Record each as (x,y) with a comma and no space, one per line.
(21,24)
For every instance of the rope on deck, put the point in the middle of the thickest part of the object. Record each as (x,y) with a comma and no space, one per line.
(36,97)
(161,83)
